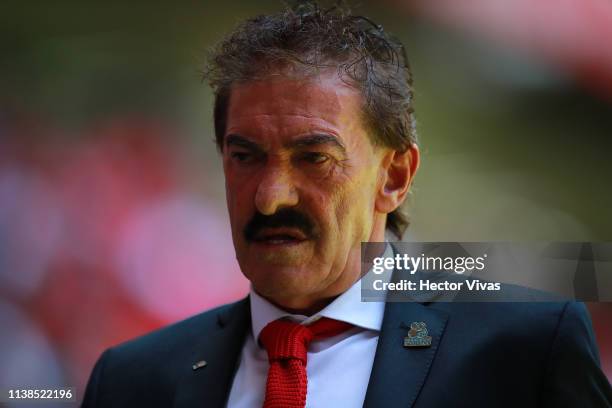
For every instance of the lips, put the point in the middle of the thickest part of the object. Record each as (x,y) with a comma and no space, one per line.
(278,236)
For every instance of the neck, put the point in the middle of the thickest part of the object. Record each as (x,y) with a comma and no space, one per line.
(311,310)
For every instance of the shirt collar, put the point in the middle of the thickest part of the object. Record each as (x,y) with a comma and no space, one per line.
(347,307)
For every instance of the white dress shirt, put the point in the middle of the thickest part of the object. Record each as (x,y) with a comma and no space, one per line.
(338,367)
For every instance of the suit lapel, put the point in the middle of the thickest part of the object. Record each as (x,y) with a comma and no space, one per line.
(209,385)
(398,373)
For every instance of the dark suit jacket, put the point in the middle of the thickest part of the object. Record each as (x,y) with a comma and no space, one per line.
(482,355)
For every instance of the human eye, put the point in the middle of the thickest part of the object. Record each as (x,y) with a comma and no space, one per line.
(314,157)
(243,157)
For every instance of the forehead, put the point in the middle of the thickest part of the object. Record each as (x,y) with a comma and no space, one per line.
(282,105)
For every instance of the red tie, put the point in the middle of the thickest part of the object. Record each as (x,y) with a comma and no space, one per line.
(287,344)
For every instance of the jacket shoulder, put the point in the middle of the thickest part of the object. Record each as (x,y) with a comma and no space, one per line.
(529,327)
(158,360)
(179,335)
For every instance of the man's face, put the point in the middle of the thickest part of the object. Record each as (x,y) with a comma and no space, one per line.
(301,178)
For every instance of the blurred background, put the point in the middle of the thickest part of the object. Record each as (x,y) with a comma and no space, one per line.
(112,205)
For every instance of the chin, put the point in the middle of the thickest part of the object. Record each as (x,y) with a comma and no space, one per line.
(281,281)
(263,256)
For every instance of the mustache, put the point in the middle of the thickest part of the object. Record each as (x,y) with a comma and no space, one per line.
(287,217)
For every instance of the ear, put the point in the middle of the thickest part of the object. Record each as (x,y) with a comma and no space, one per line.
(397,172)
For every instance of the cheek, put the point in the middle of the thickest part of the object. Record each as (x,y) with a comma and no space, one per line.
(355,211)
(230,193)
(238,196)
(339,197)
(341,209)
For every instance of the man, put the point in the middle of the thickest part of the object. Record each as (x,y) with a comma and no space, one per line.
(314,121)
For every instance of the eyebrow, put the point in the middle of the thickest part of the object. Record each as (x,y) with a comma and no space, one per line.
(317,139)
(304,141)
(240,141)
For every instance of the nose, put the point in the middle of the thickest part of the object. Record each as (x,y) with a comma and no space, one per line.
(275,191)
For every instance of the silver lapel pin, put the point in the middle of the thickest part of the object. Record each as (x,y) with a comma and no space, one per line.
(417,336)
(199,364)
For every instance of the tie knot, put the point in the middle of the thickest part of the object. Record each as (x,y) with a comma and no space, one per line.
(284,339)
